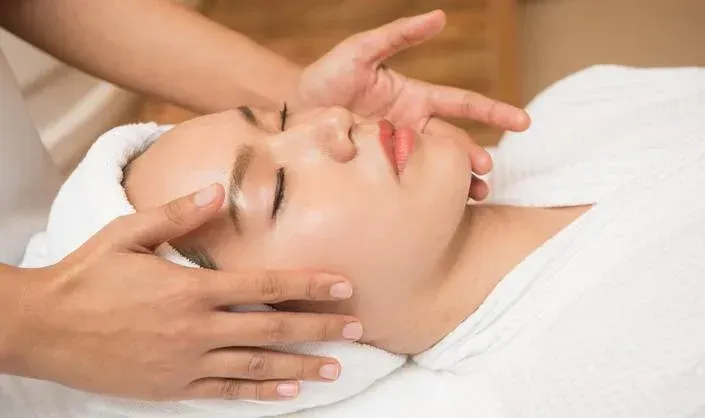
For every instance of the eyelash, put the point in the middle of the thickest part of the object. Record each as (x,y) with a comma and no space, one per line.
(283,113)
(281,172)
(279,191)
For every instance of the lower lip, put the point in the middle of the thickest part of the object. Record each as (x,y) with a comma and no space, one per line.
(397,144)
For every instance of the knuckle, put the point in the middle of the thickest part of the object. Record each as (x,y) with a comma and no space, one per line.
(259,392)
(277,330)
(328,329)
(311,289)
(302,370)
(258,366)
(493,113)
(231,389)
(271,288)
(176,214)
(468,103)
(402,41)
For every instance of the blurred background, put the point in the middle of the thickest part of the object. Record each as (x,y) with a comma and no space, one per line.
(506,49)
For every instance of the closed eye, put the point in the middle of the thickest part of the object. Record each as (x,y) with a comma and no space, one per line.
(284,113)
(279,191)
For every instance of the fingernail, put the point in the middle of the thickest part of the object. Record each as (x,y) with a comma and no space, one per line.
(204,196)
(287,390)
(329,372)
(352,331)
(341,290)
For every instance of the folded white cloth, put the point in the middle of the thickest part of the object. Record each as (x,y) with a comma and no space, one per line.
(606,319)
(90,199)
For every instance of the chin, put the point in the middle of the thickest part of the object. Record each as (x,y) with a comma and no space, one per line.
(437,200)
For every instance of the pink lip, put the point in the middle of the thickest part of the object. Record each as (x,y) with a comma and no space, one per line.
(397,144)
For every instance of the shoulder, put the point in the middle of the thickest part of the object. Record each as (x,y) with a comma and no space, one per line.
(602,124)
(603,97)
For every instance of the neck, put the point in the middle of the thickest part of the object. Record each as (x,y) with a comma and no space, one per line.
(489,243)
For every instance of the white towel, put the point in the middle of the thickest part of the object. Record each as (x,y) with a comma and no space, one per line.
(90,199)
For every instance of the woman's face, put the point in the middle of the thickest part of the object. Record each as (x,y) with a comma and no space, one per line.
(323,193)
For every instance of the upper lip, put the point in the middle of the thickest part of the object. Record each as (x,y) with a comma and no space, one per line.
(387,140)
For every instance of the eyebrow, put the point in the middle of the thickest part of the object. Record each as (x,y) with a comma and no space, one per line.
(243,158)
(249,116)
(242,162)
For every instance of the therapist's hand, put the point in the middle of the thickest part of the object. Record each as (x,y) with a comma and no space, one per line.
(112,318)
(352,75)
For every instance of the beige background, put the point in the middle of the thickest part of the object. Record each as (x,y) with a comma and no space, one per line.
(558,37)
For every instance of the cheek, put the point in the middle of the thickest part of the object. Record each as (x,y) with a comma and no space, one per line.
(362,237)
(319,235)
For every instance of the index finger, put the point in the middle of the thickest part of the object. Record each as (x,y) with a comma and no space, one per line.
(268,287)
(448,101)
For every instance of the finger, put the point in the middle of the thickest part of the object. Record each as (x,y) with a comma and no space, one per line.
(259,329)
(269,287)
(378,44)
(480,159)
(178,217)
(479,190)
(232,389)
(257,364)
(453,102)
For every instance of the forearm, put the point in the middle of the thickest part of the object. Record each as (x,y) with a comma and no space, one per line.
(158,48)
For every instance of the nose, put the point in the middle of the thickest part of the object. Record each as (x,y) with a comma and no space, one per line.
(330,131)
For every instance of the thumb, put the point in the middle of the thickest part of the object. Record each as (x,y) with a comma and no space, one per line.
(154,227)
(379,44)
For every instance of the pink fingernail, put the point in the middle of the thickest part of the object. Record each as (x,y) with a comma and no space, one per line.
(287,390)
(205,196)
(329,372)
(352,331)
(341,290)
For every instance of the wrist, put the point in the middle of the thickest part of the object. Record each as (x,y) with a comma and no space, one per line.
(284,89)
(15,287)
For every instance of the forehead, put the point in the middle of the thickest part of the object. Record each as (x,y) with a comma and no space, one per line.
(193,154)
(233,121)
(230,123)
